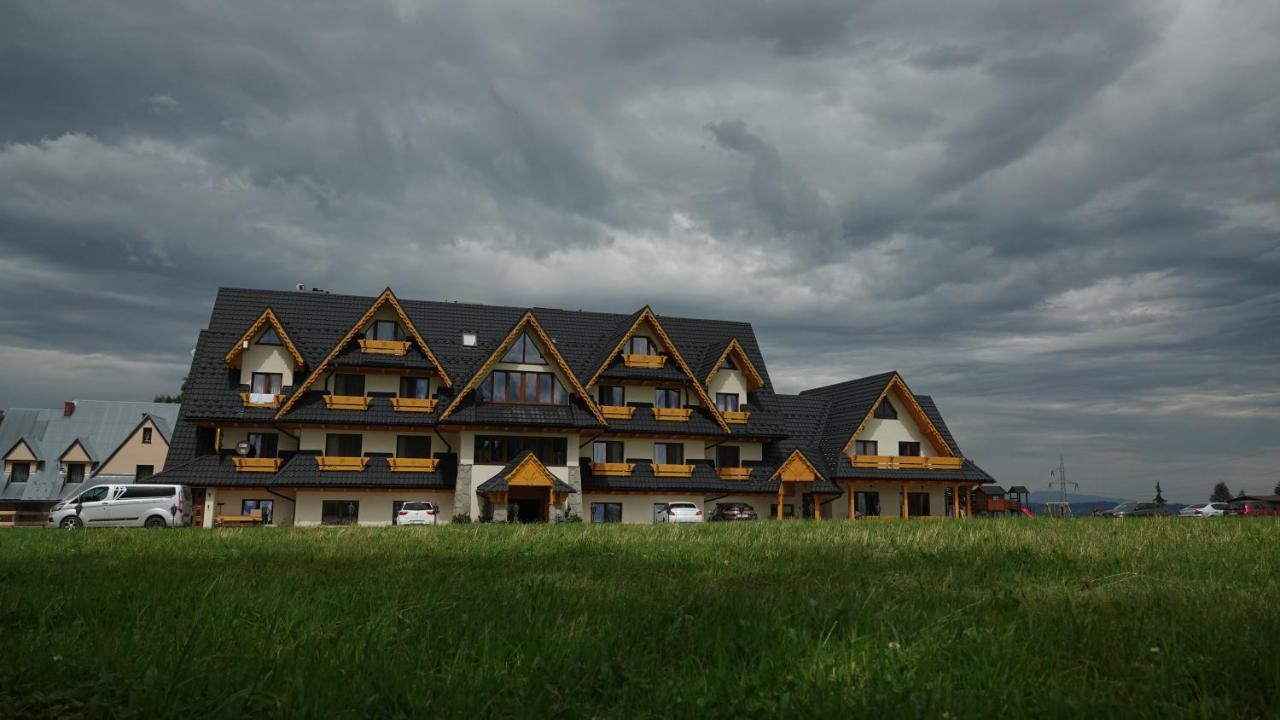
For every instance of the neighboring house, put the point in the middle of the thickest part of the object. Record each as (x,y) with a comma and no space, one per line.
(52,453)
(327,409)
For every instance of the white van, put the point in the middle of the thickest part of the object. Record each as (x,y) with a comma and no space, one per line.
(132,505)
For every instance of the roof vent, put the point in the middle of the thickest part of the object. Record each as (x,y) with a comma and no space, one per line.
(68,408)
(303,288)
(469,339)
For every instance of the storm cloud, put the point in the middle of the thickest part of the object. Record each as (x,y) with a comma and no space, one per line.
(1061,220)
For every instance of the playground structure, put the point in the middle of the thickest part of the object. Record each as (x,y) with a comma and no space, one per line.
(994,501)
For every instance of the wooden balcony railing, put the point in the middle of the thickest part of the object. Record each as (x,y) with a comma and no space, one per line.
(274,402)
(672,414)
(906,462)
(263,465)
(644,361)
(734,473)
(672,470)
(612,469)
(617,412)
(335,463)
(736,417)
(347,402)
(399,464)
(384,347)
(418,405)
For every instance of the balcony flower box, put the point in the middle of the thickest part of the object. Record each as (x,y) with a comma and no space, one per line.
(617,412)
(612,469)
(651,362)
(734,473)
(672,470)
(425,465)
(347,402)
(260,400)
(910,462)
(334,463)
(672,414)
(736,417)
(263,465)
(384,347)
(418,405)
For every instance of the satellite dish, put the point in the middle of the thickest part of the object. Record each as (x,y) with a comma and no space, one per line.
(242,448)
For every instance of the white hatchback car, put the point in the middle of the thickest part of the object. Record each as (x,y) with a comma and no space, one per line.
(417,512)
(683,512)
(1204,510)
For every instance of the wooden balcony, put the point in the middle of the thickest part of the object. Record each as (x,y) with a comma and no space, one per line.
(273,403)
(672,470)
(426,465)
(906,462)
(672,414)
(617,412)
(347,402)
(384,347)
(735,417)
(335,463)
(644,361)
(417,405)
(612,469)
(734,473)
(262,465)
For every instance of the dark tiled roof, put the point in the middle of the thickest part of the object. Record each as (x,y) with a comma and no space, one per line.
(310,408)
(618,370)
(849,404)
(414,359)
(704,479)
(498,483)
(473,412)
(931,410)
(642,422)
(301,471)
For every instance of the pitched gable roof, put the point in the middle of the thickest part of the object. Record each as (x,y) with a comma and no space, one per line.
(268,317)
(755,380)
(146,418)
(83,445)
(524,470)
(30,447)
(853,402)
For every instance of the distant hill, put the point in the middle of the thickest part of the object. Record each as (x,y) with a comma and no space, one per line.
(1040,497)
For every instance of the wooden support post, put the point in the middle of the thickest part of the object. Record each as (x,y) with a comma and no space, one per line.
(968,496)
(781,485)
(853,506)
(955,502)
(906,512)
(817,508)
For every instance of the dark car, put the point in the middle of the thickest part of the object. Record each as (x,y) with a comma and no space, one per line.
(1251,508)
(1131,509)
(732,511)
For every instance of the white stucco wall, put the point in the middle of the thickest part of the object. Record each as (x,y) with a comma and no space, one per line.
(374,441)
(233,435)
(231,498)
(266,359)
(375,506)
(728,381)
(888,433)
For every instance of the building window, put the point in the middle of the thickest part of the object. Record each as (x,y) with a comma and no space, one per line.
(266,383)
(667,398)
(886,411)
(727,402)
(728,456)
(607,451)
(614,395)
(343,445)
(606,512)
(384,330)
(415,387)
(659,512)
(525,388)
(263,445)
(910,449)
(866,447)
(668,453)
(266,506)
(146,436)
(918,503)
(641,345)
(339,512)
(19,472)
(501,449)
(206,440)
(867,503)
(269,337)
(788,510)
(348,384)
(524,352)
(413,446)
(75,473)
(143,472)
(727,363)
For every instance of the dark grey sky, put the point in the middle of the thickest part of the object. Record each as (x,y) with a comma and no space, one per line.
(1060,219)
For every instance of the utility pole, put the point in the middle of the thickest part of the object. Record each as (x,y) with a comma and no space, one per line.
(1059,478)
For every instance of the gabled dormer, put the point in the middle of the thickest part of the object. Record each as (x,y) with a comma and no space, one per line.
(896,432)
(730,380)
(77,462)
(21,461)
(267,359)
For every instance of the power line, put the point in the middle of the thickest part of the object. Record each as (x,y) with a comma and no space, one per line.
(1059,477)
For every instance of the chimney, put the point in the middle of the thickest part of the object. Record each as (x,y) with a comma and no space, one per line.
(68,408)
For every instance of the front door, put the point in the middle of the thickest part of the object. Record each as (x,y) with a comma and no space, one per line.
(197,507)
(527,510)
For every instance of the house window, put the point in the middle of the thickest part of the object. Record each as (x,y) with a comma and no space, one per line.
(146,436)
(269,337)
(524,352)
(263,445)
(606,512)
(19,472)
(668,453)
(614,395)
(266,383)
(525,388)
(727,402)
(348,384)
(728,456)
(667,398)
(866,447)
(886,411)
(266,506)
(143,472)
(75,472)
(659,512)
(413,446)
(788,510)
(641,345)
(607,451)
(917,503)
(501,449)
(385,330)
(727,364)
(415,387)
(910,449)
(339,512)
(867,503)
(343,445)
(206,440)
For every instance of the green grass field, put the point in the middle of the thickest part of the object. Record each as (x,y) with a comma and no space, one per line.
(1161,618)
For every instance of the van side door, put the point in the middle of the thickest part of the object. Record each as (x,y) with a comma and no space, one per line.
(93,504)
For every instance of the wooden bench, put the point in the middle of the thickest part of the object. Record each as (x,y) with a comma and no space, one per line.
(253,518)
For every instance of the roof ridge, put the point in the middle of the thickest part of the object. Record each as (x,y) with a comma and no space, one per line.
(849,382)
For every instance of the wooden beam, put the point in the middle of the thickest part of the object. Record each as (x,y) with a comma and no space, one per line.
(779,511)
(906,512)
(955,502)
(853,506)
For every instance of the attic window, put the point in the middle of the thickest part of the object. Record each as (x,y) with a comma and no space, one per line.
(146,436)
(524,351)
(19,472)
(468,339)
(886,411)
(269,337)
(727,364)
(641,345)
(385,330)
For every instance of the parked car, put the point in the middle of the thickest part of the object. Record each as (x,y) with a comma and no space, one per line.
(1251,508)
(132,505)
(683,512)
(417,512)
(1204,510)
(732,511)
(1131,509)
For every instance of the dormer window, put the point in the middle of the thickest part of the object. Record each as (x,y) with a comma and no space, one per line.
(613,395)
(641,345)
(348,384)
(524,388)
(524,352)
(269,337)
(727,364)
(75,473)
(385,330)
(264,384)
(146,436)
(886,411)
(727,402)
(19,472)
(415,387)
(667,398)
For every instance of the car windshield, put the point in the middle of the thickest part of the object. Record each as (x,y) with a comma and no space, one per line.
(680,506)
(1125,507)
(417,506)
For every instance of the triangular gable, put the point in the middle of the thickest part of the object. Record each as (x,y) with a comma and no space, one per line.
(386,298)
(907,400)
(526,322)
(267,318)
(531,473)
(646,315)
(86,456)
(755,380)
(797,468)
(28,453)
(146,418)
